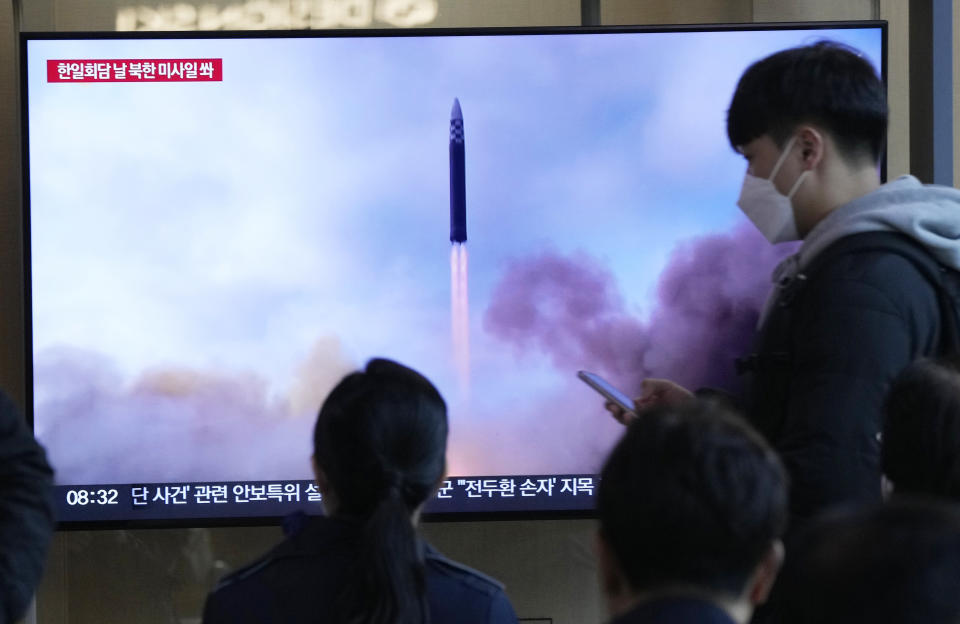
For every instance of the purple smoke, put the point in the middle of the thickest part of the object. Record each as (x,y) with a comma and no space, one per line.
(570,309)
(708,301)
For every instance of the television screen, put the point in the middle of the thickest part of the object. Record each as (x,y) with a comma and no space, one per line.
(223,225)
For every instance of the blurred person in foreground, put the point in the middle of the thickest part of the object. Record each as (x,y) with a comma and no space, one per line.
(26,513)
(921,433)
(692,503)
(897,563)
(379,454)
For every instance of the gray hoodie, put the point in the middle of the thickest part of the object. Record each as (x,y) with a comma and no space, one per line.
(926,213)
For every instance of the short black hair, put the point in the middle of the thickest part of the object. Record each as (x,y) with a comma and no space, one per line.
(691,495)
(828,84)
(921,432)
(887,564)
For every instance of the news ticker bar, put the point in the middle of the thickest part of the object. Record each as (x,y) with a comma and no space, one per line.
(246,499)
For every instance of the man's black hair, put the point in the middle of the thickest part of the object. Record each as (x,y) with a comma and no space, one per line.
(921,434)
(827,84)
(884,565)
(691,496)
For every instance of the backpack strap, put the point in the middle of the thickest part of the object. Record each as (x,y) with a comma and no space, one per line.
(945,281)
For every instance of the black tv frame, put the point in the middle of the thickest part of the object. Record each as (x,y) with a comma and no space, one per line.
(427,516)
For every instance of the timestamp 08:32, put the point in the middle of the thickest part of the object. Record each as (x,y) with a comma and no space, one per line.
(92,497)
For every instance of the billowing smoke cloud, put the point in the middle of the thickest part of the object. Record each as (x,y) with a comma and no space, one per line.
(707,304)
(177,424)
(569,308)
(322,369)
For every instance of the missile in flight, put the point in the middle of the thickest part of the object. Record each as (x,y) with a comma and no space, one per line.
(458,194)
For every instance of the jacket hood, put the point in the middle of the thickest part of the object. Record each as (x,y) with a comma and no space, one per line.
(926,213)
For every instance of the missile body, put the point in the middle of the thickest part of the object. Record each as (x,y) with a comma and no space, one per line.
(458,194)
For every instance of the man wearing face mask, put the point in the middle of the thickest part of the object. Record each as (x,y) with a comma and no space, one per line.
(850,309)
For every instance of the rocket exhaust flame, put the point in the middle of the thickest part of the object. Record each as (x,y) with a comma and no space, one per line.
(460,312)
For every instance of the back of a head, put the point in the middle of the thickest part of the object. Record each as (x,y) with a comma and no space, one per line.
(894,564)
(380,440)
(691,496)
(827,84)
(921,435)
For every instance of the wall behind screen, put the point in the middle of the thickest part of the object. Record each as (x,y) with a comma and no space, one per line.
(163,575)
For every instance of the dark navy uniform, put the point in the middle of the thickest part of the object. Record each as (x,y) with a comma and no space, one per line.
(300,580)
(26,510)
(675,610)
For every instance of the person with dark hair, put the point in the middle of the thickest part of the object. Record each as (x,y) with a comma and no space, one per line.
(379,454)
(892,564)
(692,503)
(863,296)
(26,512)
(921,431)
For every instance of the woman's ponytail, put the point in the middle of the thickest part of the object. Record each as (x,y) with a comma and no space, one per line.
(389,583)
(381,440)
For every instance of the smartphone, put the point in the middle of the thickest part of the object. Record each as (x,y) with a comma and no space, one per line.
(608,391)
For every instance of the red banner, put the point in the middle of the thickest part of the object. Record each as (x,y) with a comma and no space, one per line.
(135,70)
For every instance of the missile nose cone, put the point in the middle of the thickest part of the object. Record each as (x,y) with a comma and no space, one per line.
(455,111)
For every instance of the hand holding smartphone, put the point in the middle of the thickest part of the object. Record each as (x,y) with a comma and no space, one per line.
(607,390)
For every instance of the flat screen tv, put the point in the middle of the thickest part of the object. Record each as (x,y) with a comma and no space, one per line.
(221,225)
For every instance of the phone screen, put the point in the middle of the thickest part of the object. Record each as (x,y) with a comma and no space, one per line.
(607,390)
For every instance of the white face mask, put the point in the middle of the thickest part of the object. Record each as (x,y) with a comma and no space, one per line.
(766,207)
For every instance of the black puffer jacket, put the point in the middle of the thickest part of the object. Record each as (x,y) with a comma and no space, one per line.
(826,352)
(831,343)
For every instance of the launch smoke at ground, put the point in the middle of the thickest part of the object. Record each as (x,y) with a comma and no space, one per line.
(176,423)
(460,313)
